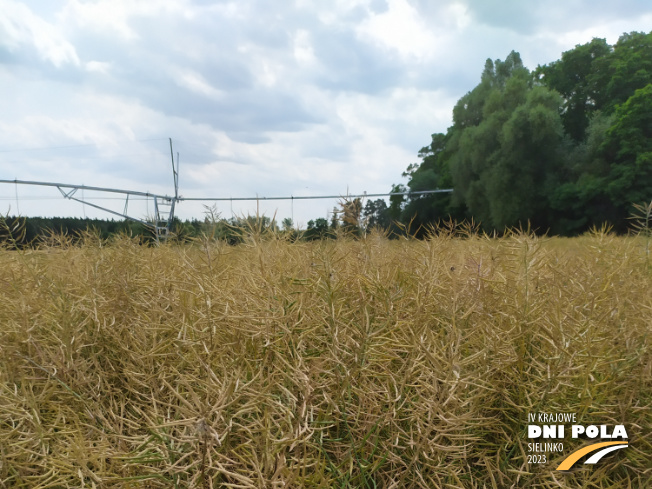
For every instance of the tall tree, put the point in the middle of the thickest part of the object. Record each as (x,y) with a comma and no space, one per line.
(597,77)
(433,173)
(628,149)
(626,69)
(376,214)
(505,162)
(574,77)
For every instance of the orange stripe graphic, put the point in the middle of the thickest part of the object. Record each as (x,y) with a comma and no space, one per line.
(575,456)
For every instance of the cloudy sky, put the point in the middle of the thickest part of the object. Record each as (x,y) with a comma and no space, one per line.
(260,98)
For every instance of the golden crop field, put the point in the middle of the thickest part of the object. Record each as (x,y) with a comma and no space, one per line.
(349,363)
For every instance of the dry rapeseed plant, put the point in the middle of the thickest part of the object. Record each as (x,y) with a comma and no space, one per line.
(369,363)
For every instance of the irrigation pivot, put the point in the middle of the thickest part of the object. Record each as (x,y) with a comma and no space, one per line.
(165,205)
(69,191)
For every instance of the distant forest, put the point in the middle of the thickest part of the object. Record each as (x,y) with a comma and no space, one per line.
(34,231)
(559,149)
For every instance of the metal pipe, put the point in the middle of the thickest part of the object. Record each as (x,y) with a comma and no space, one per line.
(148,224)
(423,192)
(86,187)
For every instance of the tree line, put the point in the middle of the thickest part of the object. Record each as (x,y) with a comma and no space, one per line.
(350,217)
(563,147)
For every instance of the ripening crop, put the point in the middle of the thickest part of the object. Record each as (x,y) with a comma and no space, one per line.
(337,363)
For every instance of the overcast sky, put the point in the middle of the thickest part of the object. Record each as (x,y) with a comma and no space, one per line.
(260,98)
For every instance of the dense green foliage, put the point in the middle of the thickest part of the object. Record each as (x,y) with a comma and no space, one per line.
(39,229)
(564,147)
(22,232)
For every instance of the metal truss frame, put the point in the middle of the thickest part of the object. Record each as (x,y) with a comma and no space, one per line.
(165,205)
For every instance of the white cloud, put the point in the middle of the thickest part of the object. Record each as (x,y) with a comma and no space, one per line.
(458,15)
(333,13)
(114,16)
(107,16)
(195,82)
(609,29)
(19,26)
(98,67)
(303,51)
(399,28)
